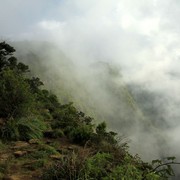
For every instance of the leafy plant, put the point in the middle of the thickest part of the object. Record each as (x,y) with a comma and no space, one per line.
(30,128)
(48,149)
(22,129)
(70,167)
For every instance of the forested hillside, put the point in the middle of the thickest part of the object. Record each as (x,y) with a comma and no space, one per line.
(44,136)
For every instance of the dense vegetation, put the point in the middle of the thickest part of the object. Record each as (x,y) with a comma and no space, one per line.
(30,113)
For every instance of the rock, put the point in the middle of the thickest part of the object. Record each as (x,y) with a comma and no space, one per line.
(60,150)
(70,148)
(56,157)
(48,141)
(20,153)
(20,144)
(2,121)
(4,157)
(34,141)
(29,165)
(12,177)
(17,177)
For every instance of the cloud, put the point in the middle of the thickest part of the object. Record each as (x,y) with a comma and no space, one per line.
(142,38)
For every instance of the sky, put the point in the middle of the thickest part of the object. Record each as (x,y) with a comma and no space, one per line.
(142,37)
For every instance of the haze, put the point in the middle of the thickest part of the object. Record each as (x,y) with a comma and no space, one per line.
(141,39)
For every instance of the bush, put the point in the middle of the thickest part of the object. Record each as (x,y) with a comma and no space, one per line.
(98,165)
(9,130)
(126,172)
(71,167)
(65,115)
(16,99)
(102,137)
(57,133)
(81,134)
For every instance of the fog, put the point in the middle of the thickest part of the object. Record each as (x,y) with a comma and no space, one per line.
(118,60)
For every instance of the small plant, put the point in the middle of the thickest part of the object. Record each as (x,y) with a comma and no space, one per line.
(38,164)
(39,154)
(30,128)
(22,129)
(3,167)
(71,167)
(47,149)
(2,145)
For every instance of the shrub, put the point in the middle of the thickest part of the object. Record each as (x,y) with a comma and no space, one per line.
(65,116)
(15,96)
(102,137)
(98,165)
(70,167)
(81,134)
(101,128)
(9,130)
(126,172)
(58,133)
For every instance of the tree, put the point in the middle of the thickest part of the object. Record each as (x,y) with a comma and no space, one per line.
(16,98)
(5,51)
(7,60)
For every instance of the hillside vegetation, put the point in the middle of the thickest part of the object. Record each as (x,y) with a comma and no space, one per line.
(44,139)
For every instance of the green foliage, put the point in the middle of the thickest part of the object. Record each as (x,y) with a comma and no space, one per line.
(103,137)
(70,167)
(34,83)
(26,111)
(81,134)
(48,100)
(48,149)
(98,165)
(125,172)
(40,154)
(57,133)
(8,61)
(38,164)
(66,115)
(22,129)
(3,167)
(9,130)
(31,128)
(164,168)
(2,145)
(5,50)
(16,99)
(101,128)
